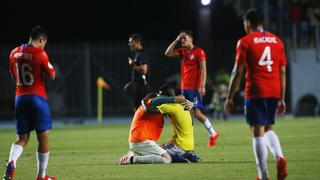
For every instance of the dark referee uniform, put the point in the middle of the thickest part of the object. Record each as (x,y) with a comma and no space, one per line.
(139,87)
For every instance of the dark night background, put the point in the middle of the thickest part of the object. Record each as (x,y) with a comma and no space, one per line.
(88,39)
(99,21)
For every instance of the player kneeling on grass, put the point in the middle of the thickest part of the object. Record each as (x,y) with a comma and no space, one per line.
(181,146)
(144,132)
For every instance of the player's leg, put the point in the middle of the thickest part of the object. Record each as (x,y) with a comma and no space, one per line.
(213,135)
(256,118)
(147,152)
(272,139)
(175,153)
(150,153)
(15,152)
(273,142)
(43,124)
(260,151)
(23,128)
(194,96)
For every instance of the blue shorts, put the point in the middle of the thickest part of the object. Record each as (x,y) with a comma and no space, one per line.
(194,96)
(32,112)
(260,111)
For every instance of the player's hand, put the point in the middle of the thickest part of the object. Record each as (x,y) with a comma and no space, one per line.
(281,108)
(179,37)
(179,99)
(130,61)
(202,91)
(187,105)
(228,105)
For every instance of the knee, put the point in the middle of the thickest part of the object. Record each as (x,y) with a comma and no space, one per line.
(267,128)
(22,141)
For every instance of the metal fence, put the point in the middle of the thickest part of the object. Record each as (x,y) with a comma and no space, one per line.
(74,92)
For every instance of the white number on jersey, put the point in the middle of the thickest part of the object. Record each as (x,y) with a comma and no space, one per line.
(24,71)
(265,59)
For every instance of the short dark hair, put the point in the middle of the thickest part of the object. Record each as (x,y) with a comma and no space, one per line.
(254,16)
(137,37)
(167,90)
(188,32)
(37,32)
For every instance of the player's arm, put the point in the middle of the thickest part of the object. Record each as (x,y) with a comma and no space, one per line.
(282,103)
(167,99)
(148,108)
(171,51)
(141,69)
(152,107)
(203,70)
(234,84)
(48,68)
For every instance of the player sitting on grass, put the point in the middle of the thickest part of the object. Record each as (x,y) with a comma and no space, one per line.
(145,130)
(181,146)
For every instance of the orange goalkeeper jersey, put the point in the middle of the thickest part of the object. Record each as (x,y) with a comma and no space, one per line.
(145,126)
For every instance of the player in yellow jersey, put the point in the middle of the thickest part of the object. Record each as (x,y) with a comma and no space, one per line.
(181,146)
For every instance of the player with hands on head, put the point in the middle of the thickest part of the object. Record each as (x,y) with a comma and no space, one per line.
(193,76)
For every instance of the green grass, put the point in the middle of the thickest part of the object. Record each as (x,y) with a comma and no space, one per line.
(92,152)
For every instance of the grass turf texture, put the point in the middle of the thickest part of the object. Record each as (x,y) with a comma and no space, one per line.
(92,152)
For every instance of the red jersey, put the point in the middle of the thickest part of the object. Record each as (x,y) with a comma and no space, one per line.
(190,68)
(145,126)
(28,66)
(263,54)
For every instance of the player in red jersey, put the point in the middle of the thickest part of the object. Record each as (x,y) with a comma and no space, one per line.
(193,76)
(28,65)
(262,54)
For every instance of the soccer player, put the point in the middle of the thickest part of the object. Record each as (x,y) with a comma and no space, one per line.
(262,54)
(28,65)
(181,146)
(145,130)
(138,87)
(193,76)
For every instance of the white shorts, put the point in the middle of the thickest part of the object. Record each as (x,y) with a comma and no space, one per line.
(147,147)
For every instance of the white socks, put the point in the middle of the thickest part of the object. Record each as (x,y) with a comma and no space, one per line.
(150,159)
(15,153)
(209,127)
(273,144)
(261,154)
(42,163)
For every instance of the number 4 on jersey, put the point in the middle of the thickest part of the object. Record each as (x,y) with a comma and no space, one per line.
(265,59)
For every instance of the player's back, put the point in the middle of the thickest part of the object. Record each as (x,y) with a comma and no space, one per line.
(145,126)
(182,123)
(27,66)
(263,54)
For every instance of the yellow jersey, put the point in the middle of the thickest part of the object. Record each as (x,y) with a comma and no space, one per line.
(182,125)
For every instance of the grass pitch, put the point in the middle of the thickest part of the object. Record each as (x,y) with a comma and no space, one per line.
(92,152)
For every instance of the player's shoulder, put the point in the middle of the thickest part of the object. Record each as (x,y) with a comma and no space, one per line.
(40,53)
(276,37)
(16,49)
(198,49)
(244,41)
